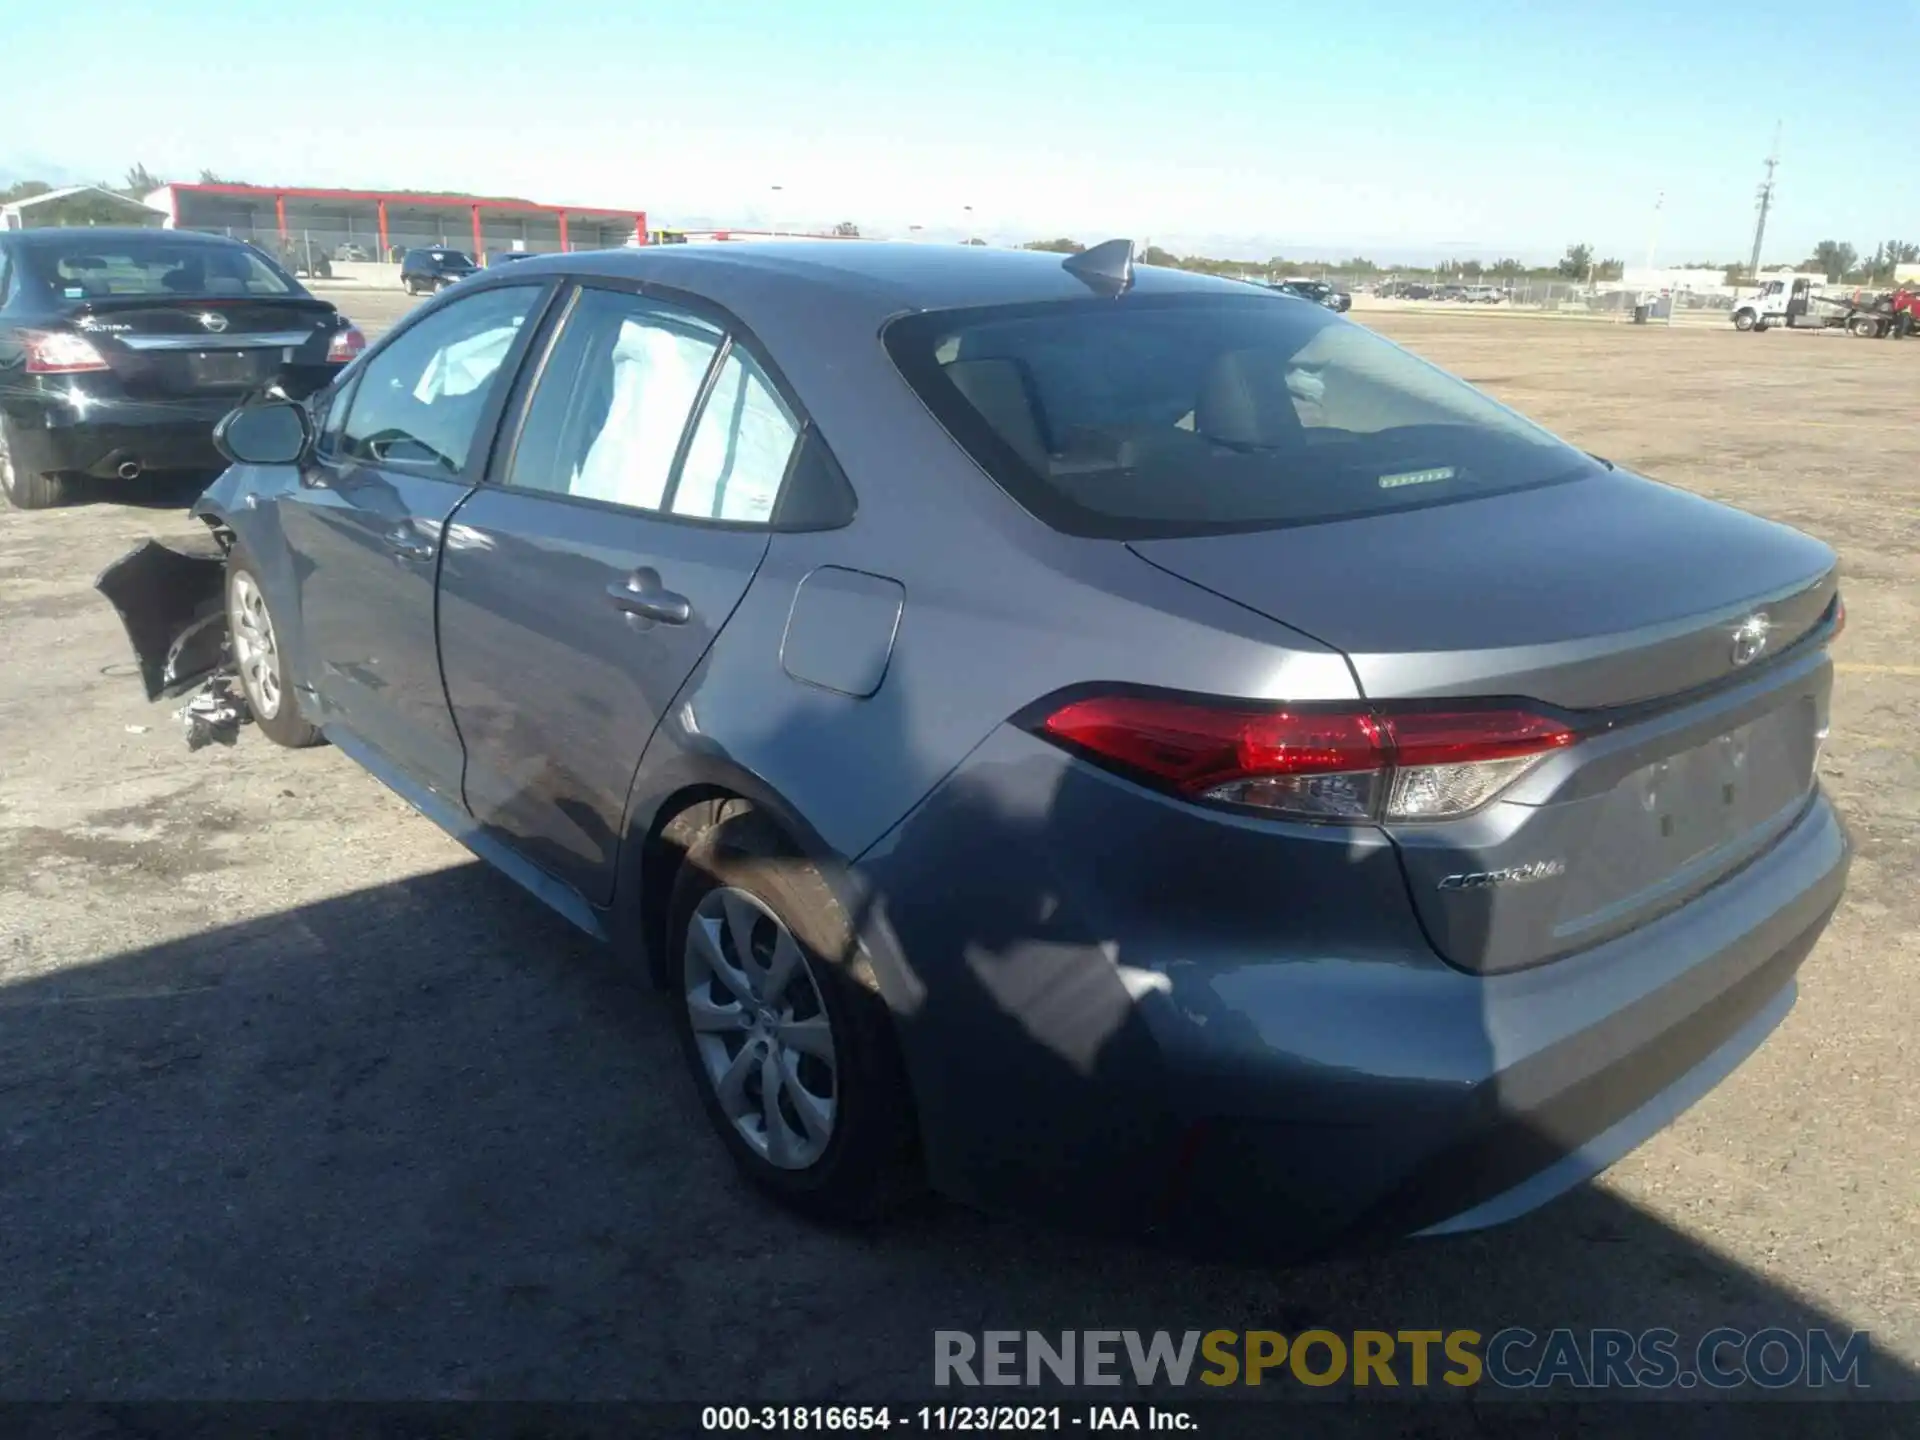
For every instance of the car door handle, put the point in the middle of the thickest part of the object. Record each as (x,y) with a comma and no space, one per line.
(642,596)
(409,545)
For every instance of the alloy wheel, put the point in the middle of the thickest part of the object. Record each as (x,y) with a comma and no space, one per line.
(761,1028)
(253,645)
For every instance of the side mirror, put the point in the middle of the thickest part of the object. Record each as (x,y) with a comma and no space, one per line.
(276,433)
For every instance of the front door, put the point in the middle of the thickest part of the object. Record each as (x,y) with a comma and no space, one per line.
(583,584)
(364,525)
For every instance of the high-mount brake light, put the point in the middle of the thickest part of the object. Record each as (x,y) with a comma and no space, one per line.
(1313,763)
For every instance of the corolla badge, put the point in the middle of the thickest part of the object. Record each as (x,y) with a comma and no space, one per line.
(1750,638)
(213,320)
(1512,875)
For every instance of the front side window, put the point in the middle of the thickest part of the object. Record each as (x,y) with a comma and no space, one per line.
(1181,415)
(77,269)
(420,401)
(613,401)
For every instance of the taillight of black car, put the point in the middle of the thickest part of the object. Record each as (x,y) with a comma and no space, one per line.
(345,344)
(59,352)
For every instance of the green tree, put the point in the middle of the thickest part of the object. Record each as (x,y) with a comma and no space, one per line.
(1609,269)
(1507,268)
(847,230)
(1575,263)
(141,182)
(1833,259)
(1062,246)
(23,190)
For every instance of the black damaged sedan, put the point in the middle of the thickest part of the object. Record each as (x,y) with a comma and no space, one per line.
(120,349)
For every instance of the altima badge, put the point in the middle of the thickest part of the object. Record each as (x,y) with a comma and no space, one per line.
(213,320)
(1512,875)
(1750,638)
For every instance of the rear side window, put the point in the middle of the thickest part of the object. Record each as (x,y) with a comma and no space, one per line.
(1155,416)
(76,269)
(740,447)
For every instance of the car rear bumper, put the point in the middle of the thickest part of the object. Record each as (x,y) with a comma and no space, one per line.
(99,436)
(1125,1015)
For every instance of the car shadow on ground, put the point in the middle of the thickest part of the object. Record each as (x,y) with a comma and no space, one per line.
(423,1140)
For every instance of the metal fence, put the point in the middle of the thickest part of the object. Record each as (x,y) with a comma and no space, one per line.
(320,250)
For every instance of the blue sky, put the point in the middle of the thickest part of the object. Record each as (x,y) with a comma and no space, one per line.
(1405,131)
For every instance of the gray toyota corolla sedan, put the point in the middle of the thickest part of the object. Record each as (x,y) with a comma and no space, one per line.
(1103,742)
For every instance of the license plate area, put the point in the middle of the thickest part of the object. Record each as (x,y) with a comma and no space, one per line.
(1701,799)
(227,369)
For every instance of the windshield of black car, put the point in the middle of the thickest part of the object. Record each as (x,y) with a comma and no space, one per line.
(1177,415)
(81,269)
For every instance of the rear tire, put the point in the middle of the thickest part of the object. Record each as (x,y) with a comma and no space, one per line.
(260,659)
(836,1140)
(1866,327)
(28,489)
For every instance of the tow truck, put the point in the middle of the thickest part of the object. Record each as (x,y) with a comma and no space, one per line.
(1795,304)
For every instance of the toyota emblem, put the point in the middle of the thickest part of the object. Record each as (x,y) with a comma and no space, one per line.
(1750,638)
(214,321)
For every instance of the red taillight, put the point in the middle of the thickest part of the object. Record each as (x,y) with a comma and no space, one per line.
(345,344)
(56,352)
(1839,618)
(1323,764)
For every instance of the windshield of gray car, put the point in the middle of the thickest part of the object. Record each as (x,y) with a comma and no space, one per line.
(1151,416)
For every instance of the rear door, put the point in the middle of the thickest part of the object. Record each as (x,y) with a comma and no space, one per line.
(584,583)
(365,523)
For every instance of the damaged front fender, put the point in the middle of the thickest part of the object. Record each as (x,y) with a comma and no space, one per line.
(173,605)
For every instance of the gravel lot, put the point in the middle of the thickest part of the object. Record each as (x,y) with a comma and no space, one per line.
(296,1100)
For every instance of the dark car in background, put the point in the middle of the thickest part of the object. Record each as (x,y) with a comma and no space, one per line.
(432,268)
(1100,741)
(1320,292)
(121,349)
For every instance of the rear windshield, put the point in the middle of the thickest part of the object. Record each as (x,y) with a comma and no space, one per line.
(1154,416)
(93,270)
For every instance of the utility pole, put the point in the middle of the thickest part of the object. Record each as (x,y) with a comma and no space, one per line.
(1766,204)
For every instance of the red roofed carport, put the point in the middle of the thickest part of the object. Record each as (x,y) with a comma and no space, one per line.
(218,205)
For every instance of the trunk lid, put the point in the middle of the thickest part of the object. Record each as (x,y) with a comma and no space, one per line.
(1626,602)
(205,348)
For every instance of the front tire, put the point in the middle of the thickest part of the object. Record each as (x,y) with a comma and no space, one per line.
(790,1045)
(28,489)
(1743,320)
(258,656)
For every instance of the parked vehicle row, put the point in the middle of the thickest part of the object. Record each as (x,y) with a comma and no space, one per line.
(121,349)
(1097,741)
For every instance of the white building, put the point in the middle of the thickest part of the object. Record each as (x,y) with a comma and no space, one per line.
(43,209)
